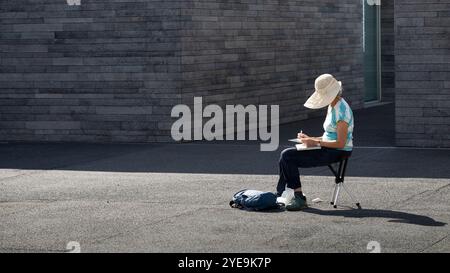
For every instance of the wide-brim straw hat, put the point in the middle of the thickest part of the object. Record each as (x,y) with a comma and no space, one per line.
(327,88)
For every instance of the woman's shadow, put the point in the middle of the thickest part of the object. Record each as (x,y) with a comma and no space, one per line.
(394,216)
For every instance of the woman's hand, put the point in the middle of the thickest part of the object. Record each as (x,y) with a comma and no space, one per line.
(310,142)
(302,135)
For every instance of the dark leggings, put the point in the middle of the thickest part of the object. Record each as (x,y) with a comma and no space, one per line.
(291,160)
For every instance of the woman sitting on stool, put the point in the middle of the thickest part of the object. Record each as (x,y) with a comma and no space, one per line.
(336,142)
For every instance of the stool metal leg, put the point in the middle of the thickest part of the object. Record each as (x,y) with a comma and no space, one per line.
(351,196)
(339,173)
(334,194)
(335,201)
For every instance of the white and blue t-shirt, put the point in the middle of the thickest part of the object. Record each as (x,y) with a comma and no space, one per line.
(340,112)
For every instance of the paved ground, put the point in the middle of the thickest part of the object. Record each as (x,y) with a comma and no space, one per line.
(174,197)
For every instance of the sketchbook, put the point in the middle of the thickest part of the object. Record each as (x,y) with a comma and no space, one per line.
(302,147)
(296,140)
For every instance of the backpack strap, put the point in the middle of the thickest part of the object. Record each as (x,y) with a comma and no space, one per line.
(235,206)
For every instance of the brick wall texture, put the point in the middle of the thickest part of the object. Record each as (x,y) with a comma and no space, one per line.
(111,70)
(387,51)
(422,49)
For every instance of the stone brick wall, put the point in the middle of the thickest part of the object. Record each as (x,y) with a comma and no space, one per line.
(104,71)
(270,52)
(422,49)
(387,51)
(111,70)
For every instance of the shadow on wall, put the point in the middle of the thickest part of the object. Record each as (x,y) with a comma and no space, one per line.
(234,157)
(213,159)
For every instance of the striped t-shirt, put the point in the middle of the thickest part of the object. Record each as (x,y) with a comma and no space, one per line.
(341,111)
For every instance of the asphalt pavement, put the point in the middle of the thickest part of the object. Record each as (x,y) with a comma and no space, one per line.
(174,197)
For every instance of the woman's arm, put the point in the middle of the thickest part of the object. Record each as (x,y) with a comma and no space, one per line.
(342,131)
(302,136)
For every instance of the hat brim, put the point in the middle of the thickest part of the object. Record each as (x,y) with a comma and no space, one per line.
(317,100)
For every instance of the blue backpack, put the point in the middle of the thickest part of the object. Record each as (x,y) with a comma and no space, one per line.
(255,200)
